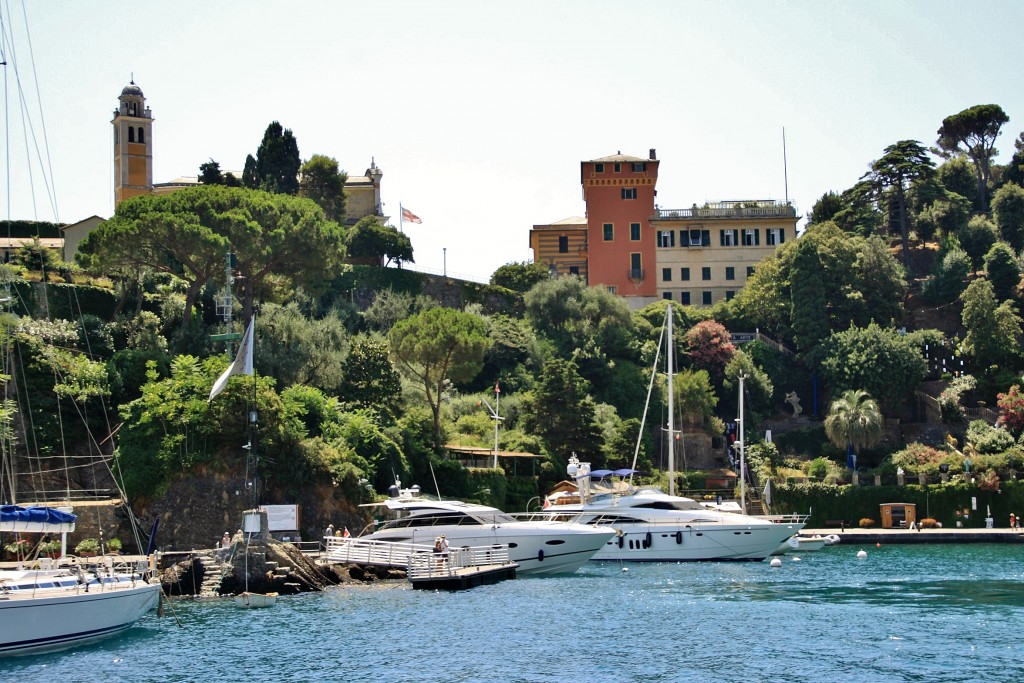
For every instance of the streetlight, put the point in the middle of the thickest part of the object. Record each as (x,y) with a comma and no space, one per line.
(444,257)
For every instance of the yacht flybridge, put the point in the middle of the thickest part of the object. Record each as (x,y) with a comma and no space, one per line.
(539,546)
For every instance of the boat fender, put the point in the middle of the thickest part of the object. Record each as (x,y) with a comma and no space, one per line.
(679,537)
(621,540)
(540,555)
(647,540)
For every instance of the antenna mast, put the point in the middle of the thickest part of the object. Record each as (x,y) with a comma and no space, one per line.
(785,170)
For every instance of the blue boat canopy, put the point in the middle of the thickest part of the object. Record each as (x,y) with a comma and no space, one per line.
(600,473)
(624,472)
(35,519)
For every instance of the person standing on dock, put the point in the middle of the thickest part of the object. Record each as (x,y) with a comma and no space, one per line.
(329,531)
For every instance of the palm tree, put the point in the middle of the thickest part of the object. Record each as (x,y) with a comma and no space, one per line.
(854,419)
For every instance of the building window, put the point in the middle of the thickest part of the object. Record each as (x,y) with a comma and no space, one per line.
(639,167)
(666,275)
(636,271)
(684,274)
(574,270)
(685,298)
(728,237)
(142,134)
(628,192)
(612,289)
(598,168)
(705,298)
(618,168)
(131,134)
(666,295)
(132,110)
(729,294)
(775,236)
(609,232)
(666,238)
(750,270)
(730,273)
(563,244)
(699,238)
(751,237)
(705,273)
(634,232)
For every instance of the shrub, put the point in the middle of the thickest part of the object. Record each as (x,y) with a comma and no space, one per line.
(818,468)
(866,523)
(988,439)
(918,457)
(114,545)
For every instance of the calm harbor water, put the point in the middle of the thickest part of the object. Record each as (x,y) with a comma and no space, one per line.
(905,613)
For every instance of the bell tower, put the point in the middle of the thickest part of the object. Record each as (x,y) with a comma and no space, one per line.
(133,145)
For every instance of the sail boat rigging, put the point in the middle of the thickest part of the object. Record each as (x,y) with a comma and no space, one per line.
(251,519)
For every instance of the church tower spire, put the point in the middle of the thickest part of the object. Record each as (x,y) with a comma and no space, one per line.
(133,145)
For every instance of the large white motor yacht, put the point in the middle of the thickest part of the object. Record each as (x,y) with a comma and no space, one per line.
(540,546)
(652,526)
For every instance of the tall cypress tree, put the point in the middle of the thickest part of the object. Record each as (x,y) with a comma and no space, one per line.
(276,165)
(807,291)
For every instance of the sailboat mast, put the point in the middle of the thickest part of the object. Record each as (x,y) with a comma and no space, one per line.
(743,450)
(671,409)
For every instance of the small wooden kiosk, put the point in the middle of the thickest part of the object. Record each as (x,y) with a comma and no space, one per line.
(898,515)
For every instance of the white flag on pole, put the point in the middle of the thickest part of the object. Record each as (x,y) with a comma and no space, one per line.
(242,365)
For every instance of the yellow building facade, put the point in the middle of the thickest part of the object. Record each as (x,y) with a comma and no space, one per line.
(561,246)
(705,254)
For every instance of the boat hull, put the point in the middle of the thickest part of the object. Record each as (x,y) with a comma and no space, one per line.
(679,543)
(55,620)
(255,600)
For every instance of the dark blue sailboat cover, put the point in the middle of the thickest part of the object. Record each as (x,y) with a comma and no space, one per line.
(37,518)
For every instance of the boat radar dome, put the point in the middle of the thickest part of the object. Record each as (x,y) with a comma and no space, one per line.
(393,491)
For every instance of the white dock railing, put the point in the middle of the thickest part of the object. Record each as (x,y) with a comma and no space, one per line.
(379,553)
(425,565)
(417,559)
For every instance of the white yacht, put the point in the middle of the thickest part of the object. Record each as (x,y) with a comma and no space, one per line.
(653,526)
(540,546)
(55,608)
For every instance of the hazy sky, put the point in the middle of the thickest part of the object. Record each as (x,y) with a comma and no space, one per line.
(479,113)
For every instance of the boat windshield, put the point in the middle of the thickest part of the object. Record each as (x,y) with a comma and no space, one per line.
(447,518)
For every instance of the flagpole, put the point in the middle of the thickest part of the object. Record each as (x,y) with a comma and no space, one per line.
(401,217)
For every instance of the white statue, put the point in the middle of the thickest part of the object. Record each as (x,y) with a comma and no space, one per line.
(794,400)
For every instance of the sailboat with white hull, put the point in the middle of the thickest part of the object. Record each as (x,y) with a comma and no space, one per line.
(653,526)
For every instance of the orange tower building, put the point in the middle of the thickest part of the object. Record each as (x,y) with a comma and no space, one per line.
(619,193)
(133,145)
